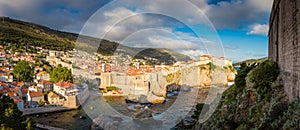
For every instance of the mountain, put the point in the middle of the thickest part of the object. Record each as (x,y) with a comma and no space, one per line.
(21,35)
(25,33)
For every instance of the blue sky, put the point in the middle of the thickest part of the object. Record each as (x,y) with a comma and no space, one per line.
(236,29)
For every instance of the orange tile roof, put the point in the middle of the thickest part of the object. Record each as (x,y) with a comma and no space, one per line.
(45,82)
(65,84)
(12,94)
(206,56)
(17,100)
(36,94)
(20,84)
(5,74)
(3,84)
(15,89)
(42,73)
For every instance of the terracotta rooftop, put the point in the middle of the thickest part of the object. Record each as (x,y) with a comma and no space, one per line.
(5,74)
(19,84)
(65,84)
(15,89)
(12,94)
(206,56)
(45,82)
(17,100)
(42,73)
(36,94)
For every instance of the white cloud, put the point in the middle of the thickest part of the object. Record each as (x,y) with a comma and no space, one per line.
(169,39)
(194,54)
(162,38)
(262,5)
(171,43)
(259,29)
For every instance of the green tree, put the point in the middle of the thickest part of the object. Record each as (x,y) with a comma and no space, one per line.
(23,72)
(60,74)
(11,118)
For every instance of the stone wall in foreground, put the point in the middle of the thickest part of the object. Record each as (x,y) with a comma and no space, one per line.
(284,40)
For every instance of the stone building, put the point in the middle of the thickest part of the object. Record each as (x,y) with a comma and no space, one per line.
(54,98)
(284,36)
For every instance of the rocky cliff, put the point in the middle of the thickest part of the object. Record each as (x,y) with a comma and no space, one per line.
(203,75)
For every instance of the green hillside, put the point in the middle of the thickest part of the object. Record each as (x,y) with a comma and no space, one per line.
(251,61)
(23,34)
(19,36)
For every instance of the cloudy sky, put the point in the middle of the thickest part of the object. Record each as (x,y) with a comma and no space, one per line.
(236,29)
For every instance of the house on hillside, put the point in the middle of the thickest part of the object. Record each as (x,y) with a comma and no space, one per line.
(34,97)
(6,77)
(42,76)
(46,86)
(38,69)
(53,98)
(17,90)
(18,84)
(64,88)
(35,89)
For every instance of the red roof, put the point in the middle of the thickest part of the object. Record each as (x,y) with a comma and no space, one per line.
(206,56)
(12,94)
(3,84)
(65,84)
(41,73)
(15,89)
(36,94)
(5,74)
(17,100)
(45,82)
(20,84)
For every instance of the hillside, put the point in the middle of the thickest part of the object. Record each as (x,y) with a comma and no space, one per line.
(251,61)
(256,101)
(20,36)
(19,33)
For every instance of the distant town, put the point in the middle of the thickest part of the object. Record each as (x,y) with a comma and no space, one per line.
(51,85)
(37,91)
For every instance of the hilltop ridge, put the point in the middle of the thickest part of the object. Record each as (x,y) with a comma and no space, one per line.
(22,35)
